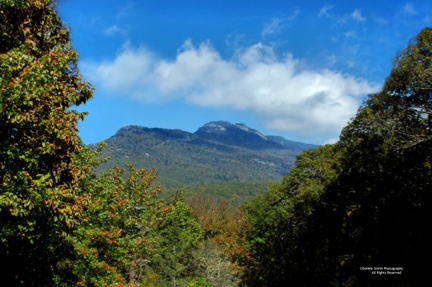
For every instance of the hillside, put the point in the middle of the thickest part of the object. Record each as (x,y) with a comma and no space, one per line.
(217,152)
(237,193)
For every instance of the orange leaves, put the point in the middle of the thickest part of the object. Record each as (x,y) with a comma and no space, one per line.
(140,243)
(111,233)
(82,282)
(222,223)
(123,206)
(64,191)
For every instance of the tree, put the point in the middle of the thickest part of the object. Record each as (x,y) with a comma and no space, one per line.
(115,241)
(224,228)
(288,240)
(39,170)
(176,238)
(364,202)
(387,173)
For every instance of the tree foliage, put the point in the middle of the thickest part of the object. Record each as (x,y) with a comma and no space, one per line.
(387,171)
(176,238)
(39,172)
(364,202)
(113,239)
(286,243)
(221,257)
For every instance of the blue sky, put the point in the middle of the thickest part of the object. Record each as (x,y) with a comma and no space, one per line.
(299,69)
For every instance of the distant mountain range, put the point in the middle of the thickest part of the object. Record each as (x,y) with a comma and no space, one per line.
(217,152)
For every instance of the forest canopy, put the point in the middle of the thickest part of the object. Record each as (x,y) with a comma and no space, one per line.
(364,202)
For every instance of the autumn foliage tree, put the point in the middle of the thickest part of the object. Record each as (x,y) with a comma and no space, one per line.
(224,230)
(114,241)
(39,172)
(60,224)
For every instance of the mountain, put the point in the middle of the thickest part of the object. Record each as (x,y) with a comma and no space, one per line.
(217,152)
(237,135)
(290,144)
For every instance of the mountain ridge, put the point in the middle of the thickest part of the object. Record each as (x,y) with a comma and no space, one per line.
(217,152)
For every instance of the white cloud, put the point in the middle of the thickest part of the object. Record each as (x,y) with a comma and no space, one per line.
(234,40)
(351,34)
(125,10)
(409,9)
(351,64)
(332,60)
(294,15)
(280,92)
(357,16)
(381,20)
(325,11)
(342,19)
(126,74)
(427,19)
(272,28)
(114,29)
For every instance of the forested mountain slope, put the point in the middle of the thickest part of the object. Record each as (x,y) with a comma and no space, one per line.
(217,152)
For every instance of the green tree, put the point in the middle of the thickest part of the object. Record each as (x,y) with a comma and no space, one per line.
(115,241)
(176,238)
(387,174)
(365,202)
(39,170)
(286,243)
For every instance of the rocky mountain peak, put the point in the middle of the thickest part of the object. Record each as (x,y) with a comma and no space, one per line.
(249,130)
(235,134)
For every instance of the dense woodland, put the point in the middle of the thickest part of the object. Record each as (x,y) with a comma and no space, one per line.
(362,202)
(190,159)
